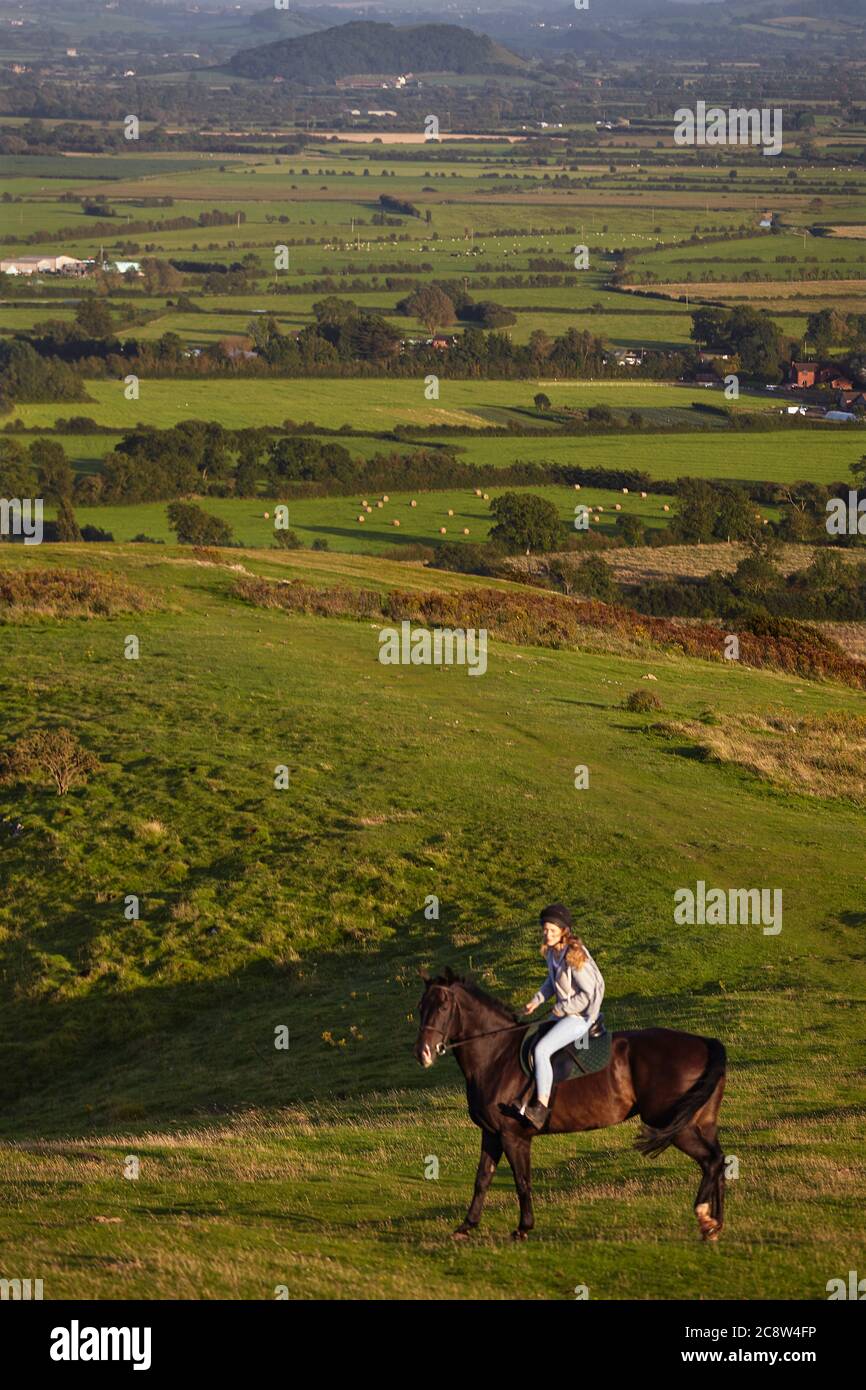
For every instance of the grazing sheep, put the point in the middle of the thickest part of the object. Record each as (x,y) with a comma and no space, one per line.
(466,530)
(643,494)
(266,515)
(385,497)
(413,503)
(396,521)
(487,497)
(450,511)
(665,508)
(365,503)
(380,504)
(625,490)
(618,507)
(361,517)
(443,531)
(577,487)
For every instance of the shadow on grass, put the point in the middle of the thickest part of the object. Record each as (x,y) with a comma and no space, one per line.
(167,1053)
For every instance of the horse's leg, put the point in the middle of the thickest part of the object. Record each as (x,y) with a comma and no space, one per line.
(517,1151)
(701,1144)
(491,1152)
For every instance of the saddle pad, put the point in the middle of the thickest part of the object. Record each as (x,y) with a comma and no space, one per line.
(587,1055)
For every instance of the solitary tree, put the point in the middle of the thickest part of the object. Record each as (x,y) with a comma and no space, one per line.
(53,753)
(525,522)
(431,306)
(193,526)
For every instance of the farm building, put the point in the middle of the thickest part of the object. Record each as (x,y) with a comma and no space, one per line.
(837,381)
(809,374)
(629,357)
(43,265)
(803,374)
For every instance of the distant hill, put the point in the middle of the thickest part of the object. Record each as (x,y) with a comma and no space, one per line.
(739,30)
(364,47)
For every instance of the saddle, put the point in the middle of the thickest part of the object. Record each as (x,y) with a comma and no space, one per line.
(589,1054)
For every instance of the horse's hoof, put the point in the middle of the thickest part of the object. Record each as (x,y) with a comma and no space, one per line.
(462,1233)
(710,1227)
(519,1235)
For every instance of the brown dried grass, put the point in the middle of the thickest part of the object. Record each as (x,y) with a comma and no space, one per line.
(59,593)
(822,755)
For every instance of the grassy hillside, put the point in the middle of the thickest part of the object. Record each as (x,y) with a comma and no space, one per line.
(304,908)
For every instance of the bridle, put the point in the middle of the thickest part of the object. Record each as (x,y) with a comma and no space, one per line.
(443,1047)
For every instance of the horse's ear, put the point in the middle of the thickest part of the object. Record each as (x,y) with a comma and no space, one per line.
(448,975)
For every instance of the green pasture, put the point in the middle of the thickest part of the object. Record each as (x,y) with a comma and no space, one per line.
(783,257)
(335,519)
(820,456)
(371,403)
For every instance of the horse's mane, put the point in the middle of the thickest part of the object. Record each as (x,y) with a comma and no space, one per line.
(473,988)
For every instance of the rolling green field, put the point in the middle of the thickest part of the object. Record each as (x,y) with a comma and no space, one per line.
(377,403)
(304,908)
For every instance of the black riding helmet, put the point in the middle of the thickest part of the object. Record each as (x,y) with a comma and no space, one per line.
(558,913)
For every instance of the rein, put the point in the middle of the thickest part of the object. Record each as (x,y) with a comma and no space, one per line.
(443,1047)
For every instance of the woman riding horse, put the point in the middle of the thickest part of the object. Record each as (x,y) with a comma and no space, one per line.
(576,981)
(673,1080)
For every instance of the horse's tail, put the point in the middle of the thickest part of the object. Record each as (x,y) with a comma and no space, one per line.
(652,1141)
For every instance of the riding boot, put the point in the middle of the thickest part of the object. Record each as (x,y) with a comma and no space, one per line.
(537,1114)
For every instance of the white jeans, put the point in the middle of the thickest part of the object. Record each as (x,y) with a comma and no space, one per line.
(565,1031)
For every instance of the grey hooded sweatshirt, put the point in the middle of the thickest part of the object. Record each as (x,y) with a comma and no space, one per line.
(577,991)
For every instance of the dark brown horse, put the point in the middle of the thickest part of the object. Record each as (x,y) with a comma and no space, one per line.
(674,1081)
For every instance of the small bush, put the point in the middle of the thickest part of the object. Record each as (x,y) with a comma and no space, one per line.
(641,702)
(286,540)
(470,557)
(423,553)
(209,556)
